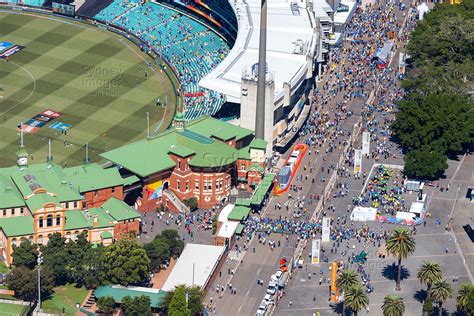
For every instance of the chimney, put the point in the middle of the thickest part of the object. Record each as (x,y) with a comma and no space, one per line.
(96,220)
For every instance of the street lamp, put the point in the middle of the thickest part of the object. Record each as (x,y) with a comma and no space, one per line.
(40,261)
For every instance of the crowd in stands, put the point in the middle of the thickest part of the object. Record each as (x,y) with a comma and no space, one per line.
(31,3)
(188,46)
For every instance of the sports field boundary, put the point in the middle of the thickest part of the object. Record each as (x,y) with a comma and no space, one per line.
(130,37)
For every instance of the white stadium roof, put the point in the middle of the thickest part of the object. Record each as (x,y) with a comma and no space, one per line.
(205,259)
(284,28)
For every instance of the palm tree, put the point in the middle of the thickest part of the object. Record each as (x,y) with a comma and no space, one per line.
(428,273)
(465,295)
(401,245)
(441,290)
(356,298)
(345,280)
(393,306)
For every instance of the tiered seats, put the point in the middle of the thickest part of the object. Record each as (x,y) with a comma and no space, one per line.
(187,45)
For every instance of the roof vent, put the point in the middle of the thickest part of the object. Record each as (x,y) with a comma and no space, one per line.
(8,188)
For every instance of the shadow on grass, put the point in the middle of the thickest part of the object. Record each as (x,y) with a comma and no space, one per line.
(390,272)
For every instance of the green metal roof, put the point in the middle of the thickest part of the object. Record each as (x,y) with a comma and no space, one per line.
(17,226)
(37,201)
(119,292)
(150,156)
(130,180)
(119,210)
(224,134)
(76,220)
(257,167)
(91,177)
(103,219)
(49,177)
(181,151)
(240,229)
(106,235)
(209,126)
(242,202)
(262,189)
(9,195)
(258,143)
(239,213)
(244,153)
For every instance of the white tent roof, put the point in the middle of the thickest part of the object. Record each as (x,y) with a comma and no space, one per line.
(228,229)
(205,259)
(225,212)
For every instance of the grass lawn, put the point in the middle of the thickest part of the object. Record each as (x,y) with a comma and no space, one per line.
(11,309)
(64,296)
(97,80)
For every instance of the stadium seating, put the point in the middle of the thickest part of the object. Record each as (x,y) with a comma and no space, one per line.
(190,47)
(31,3)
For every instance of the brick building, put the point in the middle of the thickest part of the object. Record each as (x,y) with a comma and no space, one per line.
(200,159)
(39,200)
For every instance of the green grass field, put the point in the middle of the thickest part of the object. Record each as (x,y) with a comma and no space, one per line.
(11,309)
(94,77)
(64,297)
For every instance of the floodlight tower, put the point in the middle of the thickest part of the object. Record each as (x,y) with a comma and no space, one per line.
(262,58)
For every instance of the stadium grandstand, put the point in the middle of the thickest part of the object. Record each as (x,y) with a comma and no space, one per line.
(188,46)
(212,47)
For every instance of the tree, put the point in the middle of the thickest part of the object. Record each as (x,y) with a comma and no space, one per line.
(178,306)
(24,282)
(56,259)
(195,299)
(106,305)
(465,298)
(424,164)
(191,203)
(393,306)
(158,251)
(93,268)
(26,255)
(345,280)
(401,245)
(441,290)
(136,306)
(428,273)
(428,308)
(356,298)
(125,262)
(176,244)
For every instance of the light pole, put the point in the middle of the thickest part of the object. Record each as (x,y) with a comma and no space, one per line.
(40,260)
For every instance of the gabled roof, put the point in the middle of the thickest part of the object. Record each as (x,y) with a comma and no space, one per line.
(119,210)
(17,226)
(244,153)
(76,220)
(257,167)
(149,156)
(37,201)
(10,196)
(52,178)
(258,143)
(91,177)
(262,189)
(103,219)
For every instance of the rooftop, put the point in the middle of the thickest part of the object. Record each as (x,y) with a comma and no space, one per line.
(285,61)
(17,226)
(119,292)
(9,195)
(205,259)
(91,177)
(149,156)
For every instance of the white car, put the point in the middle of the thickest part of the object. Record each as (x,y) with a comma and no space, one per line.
(262,309)
(272,288)
(278,274)
(268,298)
(274,278)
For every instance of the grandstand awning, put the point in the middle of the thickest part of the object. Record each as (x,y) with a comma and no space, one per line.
(262,189)
(239,213)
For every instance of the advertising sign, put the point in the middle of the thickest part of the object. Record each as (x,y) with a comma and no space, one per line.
(315,249)
(365,143)
(357,160)
(326,229)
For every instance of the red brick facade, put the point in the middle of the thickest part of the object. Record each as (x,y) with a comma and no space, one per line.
(98,197)
(123,229)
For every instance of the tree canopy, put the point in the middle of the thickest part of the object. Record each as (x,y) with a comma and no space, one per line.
(25,255)
(126,263)
(23,281)
(136,306)
(178,305)
(436,117)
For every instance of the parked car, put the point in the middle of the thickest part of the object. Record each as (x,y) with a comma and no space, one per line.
(272,288)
